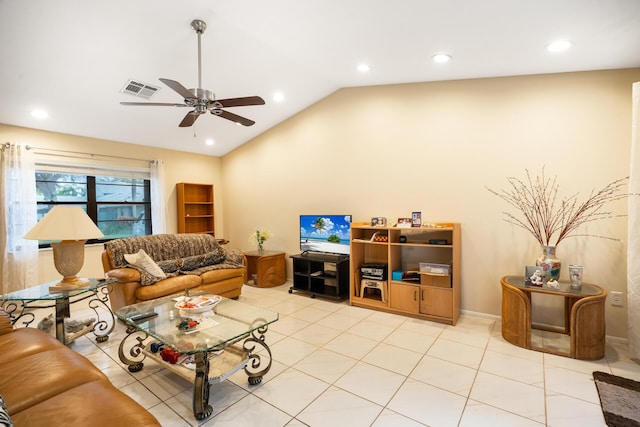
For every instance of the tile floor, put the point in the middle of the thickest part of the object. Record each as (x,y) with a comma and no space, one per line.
(339,365)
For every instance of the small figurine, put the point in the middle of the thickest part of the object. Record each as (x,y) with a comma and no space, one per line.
(553,283)
(536,278)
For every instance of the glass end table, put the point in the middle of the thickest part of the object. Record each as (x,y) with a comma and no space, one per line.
(225,340)
(21,304)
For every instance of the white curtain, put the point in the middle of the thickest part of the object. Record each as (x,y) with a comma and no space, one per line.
(17,215)
(158,203)
(633,254)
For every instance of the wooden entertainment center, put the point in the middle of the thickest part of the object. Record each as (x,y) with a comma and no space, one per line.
(414,291)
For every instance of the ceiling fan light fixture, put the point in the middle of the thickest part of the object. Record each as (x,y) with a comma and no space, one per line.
(203,100)
(278,97)
(363,68)
(441,58)
(209,141)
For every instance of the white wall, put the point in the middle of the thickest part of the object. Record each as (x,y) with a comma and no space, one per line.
(435,147)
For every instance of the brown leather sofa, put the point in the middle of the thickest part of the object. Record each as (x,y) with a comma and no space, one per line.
(45,383)
(191,261)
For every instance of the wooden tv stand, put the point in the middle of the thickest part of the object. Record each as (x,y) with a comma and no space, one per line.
(321,274)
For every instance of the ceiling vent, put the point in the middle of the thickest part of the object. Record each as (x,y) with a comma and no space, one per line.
(141,90)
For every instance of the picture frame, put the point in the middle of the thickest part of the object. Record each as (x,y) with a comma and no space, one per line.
(404,223)
(378,221)
(531,272)
(416,219)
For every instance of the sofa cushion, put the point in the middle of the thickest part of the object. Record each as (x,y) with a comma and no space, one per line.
(5,419)
(194,262)
(215,275)
(58,370)
(141,260)
(95,403)
(188,264)
(23,342)
(172,285)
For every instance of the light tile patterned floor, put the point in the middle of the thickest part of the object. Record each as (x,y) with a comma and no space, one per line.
(340,365)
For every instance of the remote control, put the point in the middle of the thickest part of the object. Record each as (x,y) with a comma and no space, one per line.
(143,316)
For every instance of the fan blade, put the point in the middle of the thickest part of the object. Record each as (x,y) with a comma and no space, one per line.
(233,117)
(241,102)
(161,104)
(189,119)
(182,91)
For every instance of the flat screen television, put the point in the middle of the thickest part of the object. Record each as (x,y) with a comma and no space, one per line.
(325,233)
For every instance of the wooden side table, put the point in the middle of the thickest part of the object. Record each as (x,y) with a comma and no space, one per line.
(266,269)
(584,320)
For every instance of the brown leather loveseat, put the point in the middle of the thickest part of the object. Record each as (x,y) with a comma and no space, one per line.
(45,383)
(174,263)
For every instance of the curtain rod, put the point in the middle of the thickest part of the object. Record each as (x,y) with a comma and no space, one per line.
(54,150)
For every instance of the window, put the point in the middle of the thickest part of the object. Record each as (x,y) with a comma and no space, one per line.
(120,206)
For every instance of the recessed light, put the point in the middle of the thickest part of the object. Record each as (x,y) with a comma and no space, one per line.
(278,97)
(39,114)
(209,141)
(559,45)
(441,58)
(364,68)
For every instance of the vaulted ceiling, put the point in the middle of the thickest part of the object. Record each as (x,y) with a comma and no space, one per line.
(72,58)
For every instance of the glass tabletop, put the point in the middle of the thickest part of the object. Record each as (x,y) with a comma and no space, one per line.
(226,323)
(565,287)
(42,292)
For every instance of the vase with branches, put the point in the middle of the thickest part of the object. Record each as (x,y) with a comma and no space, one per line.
(551,218)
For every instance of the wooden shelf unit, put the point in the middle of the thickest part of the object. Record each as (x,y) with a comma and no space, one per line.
(195,208)
(430,298)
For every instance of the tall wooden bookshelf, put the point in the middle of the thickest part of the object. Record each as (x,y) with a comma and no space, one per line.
(195,208)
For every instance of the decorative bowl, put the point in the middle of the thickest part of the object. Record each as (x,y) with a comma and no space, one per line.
(198,304)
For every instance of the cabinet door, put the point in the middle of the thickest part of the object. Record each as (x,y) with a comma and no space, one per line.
(404,297)
(436,301)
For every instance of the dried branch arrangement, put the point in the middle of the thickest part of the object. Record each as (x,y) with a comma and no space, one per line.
(550,221)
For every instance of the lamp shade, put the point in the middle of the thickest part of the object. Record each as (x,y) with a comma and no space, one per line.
(65,223)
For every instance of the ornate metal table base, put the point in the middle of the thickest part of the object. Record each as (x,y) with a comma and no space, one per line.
(134,353)
(103,326)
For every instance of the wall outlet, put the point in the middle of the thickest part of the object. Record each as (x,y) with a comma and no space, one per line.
(616,299)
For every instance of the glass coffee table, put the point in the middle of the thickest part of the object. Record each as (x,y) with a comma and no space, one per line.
(227,339)
(20,306)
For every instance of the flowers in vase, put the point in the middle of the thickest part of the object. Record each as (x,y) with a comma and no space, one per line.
(259,237)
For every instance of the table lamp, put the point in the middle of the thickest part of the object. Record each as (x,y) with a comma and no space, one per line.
(72,226)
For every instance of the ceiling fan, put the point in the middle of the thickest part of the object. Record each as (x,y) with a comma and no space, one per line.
(202,100)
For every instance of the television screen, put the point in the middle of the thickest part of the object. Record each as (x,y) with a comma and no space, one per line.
(325,233)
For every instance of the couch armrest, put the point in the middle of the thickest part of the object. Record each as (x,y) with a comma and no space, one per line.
(124,274)
(5,323)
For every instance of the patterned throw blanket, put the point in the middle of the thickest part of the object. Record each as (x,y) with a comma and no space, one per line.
(175,254)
